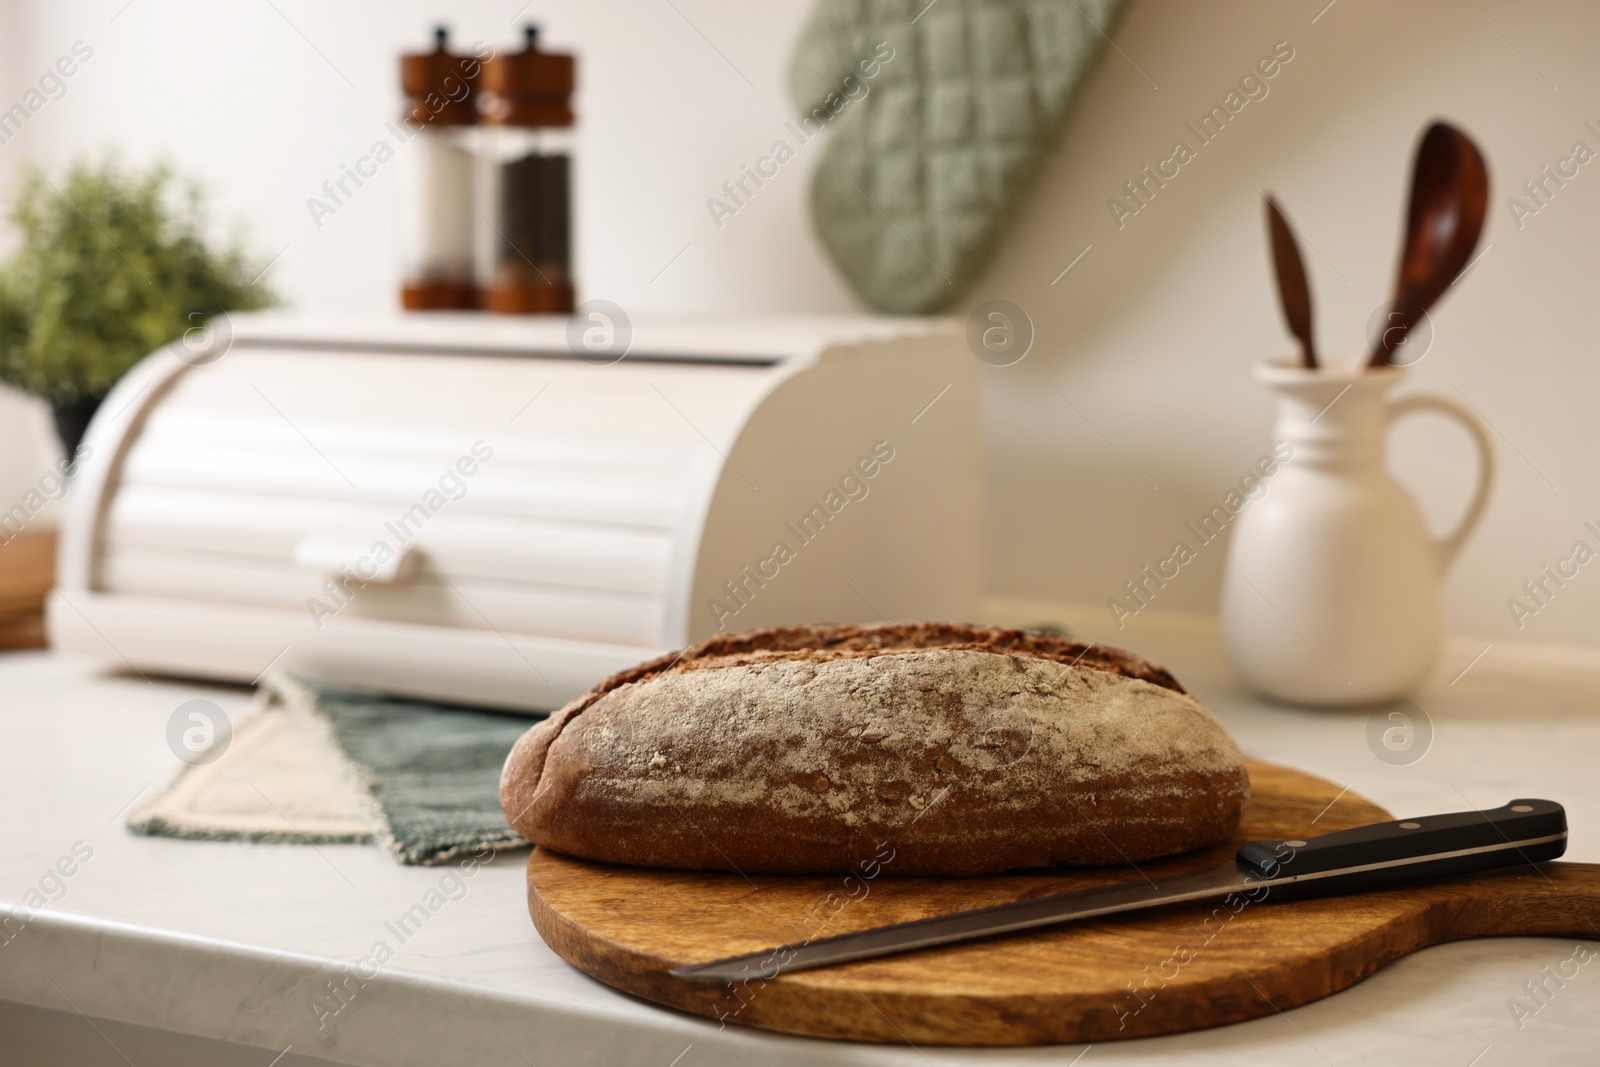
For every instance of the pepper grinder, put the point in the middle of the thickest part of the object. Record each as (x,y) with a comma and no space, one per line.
(525,259)
(437,177)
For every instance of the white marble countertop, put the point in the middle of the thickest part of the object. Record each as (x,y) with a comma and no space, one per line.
(235,941)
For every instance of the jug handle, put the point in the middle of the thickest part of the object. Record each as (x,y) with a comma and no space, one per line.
(1450,545)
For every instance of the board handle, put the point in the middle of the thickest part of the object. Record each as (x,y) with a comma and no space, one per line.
(1406,850)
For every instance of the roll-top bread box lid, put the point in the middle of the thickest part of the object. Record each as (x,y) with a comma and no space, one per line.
(463,509)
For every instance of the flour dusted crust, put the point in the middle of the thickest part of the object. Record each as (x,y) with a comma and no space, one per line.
(951,749)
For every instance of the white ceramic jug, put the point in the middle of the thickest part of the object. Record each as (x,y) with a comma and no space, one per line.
(1331,594)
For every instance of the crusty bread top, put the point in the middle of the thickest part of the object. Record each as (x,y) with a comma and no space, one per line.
(808,737)
(827,641)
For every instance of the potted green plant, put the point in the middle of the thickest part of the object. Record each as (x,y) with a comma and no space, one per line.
(112,263)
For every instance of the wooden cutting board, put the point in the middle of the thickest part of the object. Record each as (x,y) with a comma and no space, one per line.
(27,570)
(1181,967)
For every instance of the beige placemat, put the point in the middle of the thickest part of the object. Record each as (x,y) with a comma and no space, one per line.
(282,778)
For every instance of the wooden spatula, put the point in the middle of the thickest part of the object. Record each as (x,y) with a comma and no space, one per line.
(1292,287)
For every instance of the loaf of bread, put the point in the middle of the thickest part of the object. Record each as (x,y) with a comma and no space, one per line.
(934,749)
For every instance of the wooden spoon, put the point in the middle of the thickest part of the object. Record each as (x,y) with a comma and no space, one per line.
(1449,196)
(1292,288)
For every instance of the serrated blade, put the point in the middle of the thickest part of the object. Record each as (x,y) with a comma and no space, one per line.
(1203,884)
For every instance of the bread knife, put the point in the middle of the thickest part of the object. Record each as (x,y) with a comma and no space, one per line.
(1367,857)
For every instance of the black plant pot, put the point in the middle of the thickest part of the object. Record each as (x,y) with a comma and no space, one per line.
(72,420)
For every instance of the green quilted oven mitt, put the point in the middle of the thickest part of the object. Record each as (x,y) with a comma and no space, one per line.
(936,115)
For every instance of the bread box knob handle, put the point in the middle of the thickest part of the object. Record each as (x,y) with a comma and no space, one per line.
(333,554)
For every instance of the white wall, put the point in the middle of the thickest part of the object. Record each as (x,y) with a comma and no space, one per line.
(266,106)
(1152,333)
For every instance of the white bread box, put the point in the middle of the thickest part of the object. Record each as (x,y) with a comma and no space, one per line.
(457,507)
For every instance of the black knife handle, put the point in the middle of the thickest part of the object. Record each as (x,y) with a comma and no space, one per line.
(1457,843)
